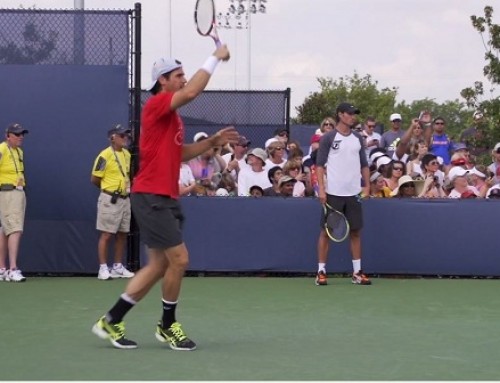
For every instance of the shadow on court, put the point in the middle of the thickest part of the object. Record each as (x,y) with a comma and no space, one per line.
(252,328)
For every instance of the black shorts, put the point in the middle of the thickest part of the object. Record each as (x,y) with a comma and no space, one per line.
(349,206)
(159,218)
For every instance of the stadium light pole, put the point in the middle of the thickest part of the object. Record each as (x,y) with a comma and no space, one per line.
(239,16)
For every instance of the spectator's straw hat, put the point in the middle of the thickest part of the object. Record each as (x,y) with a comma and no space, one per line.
(419,184)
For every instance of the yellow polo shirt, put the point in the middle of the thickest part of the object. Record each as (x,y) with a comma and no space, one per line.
(11,165)
(107,168)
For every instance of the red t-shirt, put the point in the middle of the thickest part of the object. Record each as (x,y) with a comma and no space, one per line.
(160,148)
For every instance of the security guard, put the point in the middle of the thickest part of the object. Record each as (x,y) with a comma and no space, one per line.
(111,173)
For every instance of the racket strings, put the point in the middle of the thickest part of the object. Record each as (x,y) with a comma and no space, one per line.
(337,226)
(205,16)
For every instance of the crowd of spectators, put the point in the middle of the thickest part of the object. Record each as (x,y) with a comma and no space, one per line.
(419,162)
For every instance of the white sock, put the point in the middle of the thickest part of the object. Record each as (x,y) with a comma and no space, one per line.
(104,266)
(117,265)
(356,265)
(322,267)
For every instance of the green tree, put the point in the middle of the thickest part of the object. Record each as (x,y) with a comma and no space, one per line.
(360,91)
(475,95)
(37,47)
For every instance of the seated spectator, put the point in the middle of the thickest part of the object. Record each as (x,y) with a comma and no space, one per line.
(461,188)
(433,177)
(221,192)
(292,145)
(414,165)
(478,178)
(377,186)
(274,174)
(206,164)
(395,170)
(286,185)
(409,187)
(187,182)
(236,160)
(296,154)
(294,169)
(229,184)
(256,191)
(276,155)
(494,192)
(494,167)
(281,135)
(255,174)
(382,164)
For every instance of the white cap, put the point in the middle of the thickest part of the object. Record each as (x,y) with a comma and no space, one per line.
(477,172)
(221,192)
(383,160)
(198,136)
(395,116)
(497,146)
(456,171)
(162,66)
(270,141)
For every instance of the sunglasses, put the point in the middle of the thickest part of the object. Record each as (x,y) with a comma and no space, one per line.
(243,146)
(18,134)
(433,163)
(408,185)
(283,134)
(123,135)
(370,126)
(397,168)
(278,148)
(439,123)
(327,124)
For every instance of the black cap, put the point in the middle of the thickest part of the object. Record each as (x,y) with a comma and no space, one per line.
(345,107)
(118,129)
(16,129)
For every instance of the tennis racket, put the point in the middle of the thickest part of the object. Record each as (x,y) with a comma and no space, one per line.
(204,18)
(336,224)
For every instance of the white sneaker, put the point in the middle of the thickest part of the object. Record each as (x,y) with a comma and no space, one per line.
(103,274)
(121,272)
(15,276)
(3,274)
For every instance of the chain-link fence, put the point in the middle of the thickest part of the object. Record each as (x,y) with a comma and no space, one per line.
(69,37)
(256,114)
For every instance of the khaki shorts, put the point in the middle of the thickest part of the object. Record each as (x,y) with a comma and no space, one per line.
(113,218)
(12,210)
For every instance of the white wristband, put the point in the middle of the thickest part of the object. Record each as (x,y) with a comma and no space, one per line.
(210,64)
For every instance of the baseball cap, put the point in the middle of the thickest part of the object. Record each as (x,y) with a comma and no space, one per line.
(456,171)
(162,66)
(118,129)
(345,107)
(497,147)
(382,160)
(285,179)
(199,136)
(395,116)
(477,172)
(477,115)
(494,192)
(16,129)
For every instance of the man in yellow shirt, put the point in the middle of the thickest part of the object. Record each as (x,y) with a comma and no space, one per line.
(12,202)
(111,173)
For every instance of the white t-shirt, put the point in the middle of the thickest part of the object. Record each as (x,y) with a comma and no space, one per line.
(242,163)
(269,164)
(455,194)
(186,177)
(248,178)
(343,157)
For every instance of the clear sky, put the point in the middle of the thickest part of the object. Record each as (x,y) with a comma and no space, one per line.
(426,48)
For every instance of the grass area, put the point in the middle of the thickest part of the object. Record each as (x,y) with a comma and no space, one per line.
(251,328)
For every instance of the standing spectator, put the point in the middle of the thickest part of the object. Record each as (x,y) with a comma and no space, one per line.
(474,137)
(341,153)
(255,174)
(237,159)
(155,194)
(372,138)
(494,167)
(111,174)
(274,174)
(438,141)
(12,201)
(391,138)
